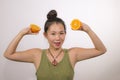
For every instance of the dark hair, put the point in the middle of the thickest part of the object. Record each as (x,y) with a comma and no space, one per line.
(51,19)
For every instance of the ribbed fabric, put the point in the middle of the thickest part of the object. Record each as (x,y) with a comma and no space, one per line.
(62,71)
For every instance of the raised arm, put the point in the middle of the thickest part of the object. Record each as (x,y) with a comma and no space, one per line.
(86,53)
(11,52)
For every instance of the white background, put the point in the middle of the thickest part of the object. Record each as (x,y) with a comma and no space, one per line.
(103,16)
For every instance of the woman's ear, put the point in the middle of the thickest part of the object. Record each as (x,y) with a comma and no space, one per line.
(45,34)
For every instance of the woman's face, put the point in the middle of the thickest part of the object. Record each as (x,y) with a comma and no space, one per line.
(56,35)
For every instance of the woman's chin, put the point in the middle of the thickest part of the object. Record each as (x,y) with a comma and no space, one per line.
(57,46)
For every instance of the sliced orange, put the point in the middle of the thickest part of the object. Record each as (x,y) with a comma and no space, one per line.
(34,28)
(76,24)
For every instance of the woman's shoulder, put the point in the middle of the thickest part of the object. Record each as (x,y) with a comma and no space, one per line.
(36,51)
(69,50)
(73,49)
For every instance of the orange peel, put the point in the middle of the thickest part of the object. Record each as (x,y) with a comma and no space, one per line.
(76,24)
(34,28)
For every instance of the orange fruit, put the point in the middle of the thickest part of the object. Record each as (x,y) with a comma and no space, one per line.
(34,28)
(76,24)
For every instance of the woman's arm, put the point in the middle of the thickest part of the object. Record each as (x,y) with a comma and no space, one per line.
(84,53)
(11,52)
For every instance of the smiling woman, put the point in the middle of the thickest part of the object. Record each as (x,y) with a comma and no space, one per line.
(56,35)
(55,63)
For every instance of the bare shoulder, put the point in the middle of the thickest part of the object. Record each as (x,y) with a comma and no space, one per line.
(35,51)
(74,50)
(74,53)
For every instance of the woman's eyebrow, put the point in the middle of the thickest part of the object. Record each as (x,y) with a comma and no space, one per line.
(59,31)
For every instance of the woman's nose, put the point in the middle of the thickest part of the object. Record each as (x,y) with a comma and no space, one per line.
(57,37)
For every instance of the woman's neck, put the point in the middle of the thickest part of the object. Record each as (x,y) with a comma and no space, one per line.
(55,50)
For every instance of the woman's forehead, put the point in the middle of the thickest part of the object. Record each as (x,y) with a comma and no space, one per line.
(56,27)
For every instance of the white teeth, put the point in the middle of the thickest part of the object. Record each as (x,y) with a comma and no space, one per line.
(57,41)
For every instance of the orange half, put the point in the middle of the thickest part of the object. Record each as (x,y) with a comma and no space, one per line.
(76,24)
(34,28)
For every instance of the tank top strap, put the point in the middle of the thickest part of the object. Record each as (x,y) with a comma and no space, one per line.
(43,54)
(68,58)
(66,50)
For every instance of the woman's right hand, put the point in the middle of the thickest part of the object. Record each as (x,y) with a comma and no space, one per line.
(27,31)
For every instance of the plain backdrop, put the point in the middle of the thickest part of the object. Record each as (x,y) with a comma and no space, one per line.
(103,16)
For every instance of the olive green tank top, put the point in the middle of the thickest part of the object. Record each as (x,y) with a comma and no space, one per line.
(62,71)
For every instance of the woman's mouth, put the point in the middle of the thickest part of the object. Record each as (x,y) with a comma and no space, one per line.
(57,43)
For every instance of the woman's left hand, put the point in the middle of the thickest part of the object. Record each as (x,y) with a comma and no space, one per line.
(85,27)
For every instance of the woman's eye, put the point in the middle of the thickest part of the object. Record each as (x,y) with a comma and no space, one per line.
(52,33)
(62,33)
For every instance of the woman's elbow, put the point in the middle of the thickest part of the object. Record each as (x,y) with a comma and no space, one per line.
(7,56)
(103,51)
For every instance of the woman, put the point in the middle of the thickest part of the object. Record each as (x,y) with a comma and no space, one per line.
(54,63)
